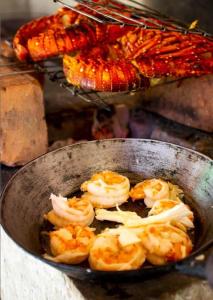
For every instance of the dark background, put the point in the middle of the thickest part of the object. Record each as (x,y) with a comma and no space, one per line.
(187,10)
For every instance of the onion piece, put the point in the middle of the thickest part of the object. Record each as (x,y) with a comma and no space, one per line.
(131,219)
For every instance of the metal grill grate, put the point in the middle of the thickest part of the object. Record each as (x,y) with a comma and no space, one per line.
(139,15)
(52,68)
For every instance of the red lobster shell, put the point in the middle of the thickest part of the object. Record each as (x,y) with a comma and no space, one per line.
(112,57)
(139,55)
(99,70)
(64,32)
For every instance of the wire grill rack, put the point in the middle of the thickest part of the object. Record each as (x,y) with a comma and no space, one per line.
(52,68)
(139,15)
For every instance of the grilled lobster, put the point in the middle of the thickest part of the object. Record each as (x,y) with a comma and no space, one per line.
(138,55)
(103,69)
(112,57)
(64,32)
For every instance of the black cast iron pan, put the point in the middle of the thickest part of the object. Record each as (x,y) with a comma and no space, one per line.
(26,197)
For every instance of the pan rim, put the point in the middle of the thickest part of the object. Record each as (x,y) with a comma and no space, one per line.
(97,142)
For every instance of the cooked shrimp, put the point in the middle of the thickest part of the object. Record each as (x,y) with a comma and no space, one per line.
(154,189)
(78,211)
(166,204)
(109,254)
(106,202)
(165,243)
(57,221)
(70,244)
(150,190)
(106,189)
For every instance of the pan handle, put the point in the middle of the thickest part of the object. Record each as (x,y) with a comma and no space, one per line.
(198,266)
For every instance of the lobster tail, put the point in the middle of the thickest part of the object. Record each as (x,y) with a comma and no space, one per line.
(52,43)
(64,32)
(178,68)
(102,74)
(112,57)
(64,17)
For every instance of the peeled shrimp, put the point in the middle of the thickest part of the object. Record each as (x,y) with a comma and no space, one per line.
(166,204)
(78,211)
(154,189)
(107,202)
(109,254)
(106,189)
(165,243)
(70,244)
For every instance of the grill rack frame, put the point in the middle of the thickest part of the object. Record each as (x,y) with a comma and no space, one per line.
(111,17)
(52,68)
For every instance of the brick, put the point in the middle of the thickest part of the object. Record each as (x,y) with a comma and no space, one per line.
(23,130)
(188,101)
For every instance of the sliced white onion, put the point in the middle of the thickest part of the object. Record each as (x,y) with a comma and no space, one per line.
(177,213)
(131,219)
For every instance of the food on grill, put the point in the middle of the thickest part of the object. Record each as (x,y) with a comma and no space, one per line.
(138,56)
(103,69)
(159,238)
(109,254)
(165,243)
(70,244)
(64,32)
(155,189)
(109,57)
(106,189)
(41,30)
(78,211)
(157,53)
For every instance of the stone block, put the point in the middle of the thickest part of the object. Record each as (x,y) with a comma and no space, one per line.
(23,130)
(188,101)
